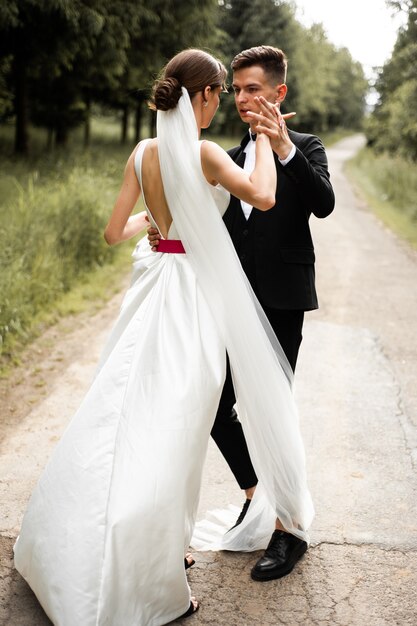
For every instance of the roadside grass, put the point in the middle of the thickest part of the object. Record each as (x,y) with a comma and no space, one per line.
(332,136)
(89,294)
(389,185)
(53,258)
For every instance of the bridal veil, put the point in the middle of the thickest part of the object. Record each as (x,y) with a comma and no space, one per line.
(262,376)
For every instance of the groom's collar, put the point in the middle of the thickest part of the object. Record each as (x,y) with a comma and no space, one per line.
(245,139)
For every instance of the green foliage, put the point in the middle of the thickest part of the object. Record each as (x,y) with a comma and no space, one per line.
(393,124)
(248,23)
(326,87)
(52,217)
(60,57)
(390,185)
(67,54)
(164,29)
(43,39)
(6,96)
(393,127)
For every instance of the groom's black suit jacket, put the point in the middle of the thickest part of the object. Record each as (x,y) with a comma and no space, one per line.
(275,247)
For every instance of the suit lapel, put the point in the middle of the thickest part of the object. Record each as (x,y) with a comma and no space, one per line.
(240,159)
(239,155)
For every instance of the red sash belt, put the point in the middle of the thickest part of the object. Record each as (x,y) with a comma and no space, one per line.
(171,245)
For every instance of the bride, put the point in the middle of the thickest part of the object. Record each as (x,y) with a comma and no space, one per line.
(103,539)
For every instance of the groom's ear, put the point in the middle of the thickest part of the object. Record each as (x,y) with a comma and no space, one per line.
(281,92)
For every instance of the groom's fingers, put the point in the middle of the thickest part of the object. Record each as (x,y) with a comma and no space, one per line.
(261,117)
(273,125)
(273,108)
(274,133)
(267,108)
(153,238)
(270,115)
(264,129)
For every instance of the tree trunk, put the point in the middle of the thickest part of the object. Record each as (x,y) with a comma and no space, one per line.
(152,123)
(125,124)
(49,139)
(61,136)
(138,120)
(87,123)
(21,143)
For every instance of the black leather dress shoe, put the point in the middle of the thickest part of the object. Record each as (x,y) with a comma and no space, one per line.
(242,513)
(282,553)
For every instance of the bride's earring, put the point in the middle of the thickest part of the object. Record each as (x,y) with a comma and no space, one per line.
(205,103)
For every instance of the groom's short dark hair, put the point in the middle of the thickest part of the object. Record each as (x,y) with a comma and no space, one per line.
(272,60)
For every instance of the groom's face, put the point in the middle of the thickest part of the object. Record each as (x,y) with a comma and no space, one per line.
(252,81)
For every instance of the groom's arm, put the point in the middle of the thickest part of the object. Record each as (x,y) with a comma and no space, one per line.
(154,237)
(308,170)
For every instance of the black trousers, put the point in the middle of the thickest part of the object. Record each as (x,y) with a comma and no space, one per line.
(227,431)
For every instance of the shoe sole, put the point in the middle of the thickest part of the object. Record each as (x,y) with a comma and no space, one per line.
(281,573)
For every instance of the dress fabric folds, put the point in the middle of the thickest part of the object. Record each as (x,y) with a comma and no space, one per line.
(103,539)
(104,535)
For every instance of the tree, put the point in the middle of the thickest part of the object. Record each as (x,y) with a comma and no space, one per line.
(39,38)
(64,52)
(166,28)
(60,57)
(349,97)
(393,124)
(6,95)
(330,87)
(325,86)
(250,23)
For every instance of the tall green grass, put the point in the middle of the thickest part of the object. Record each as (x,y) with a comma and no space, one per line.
(389,184)
(52,214)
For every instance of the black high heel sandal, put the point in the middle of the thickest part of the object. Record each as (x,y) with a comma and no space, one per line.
(193,608)
(187,563)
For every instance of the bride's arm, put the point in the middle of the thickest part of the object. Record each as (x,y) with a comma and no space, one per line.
(122,225)
(258,188)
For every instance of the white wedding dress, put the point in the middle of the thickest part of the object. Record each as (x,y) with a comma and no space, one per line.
(104,536)
(103,539)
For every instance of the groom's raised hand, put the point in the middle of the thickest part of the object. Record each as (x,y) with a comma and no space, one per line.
(153,238)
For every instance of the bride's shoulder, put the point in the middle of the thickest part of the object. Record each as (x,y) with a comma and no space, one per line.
(139,149)
(210,150)
(150,141)
(206,144)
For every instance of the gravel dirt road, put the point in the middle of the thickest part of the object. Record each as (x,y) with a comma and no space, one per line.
(357,395)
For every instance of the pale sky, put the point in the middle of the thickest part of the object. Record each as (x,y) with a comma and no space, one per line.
(366,27)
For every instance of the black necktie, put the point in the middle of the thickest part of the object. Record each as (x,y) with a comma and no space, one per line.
(253,136)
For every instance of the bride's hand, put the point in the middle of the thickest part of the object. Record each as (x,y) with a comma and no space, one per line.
(272,123)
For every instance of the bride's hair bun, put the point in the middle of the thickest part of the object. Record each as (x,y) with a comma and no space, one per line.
(166,94)
(192,69)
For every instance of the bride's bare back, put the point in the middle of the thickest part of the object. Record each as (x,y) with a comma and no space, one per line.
(152,188)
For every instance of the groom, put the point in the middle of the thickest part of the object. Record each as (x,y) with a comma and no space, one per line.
(276,250)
